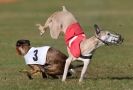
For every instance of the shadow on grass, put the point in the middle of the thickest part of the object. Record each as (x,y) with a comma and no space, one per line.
(104,78)
(112,78)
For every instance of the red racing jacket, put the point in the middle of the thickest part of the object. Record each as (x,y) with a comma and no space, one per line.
(73,37)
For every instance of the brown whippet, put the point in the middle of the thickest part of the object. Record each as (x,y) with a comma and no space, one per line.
(46,60)
(78,46)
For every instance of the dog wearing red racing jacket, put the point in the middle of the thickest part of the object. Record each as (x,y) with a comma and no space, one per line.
(78,46)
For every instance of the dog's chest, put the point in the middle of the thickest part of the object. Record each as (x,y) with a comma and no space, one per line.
(36,55)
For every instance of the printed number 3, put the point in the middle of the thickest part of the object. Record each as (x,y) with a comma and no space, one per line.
(35,58)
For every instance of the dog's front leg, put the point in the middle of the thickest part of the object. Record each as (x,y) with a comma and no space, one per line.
(86,62)
(67,64)
(34,70)
(27,73)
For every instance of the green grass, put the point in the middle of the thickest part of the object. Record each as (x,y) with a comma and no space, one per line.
(111,67)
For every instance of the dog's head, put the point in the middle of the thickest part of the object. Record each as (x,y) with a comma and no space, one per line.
(22,46)
(107,37)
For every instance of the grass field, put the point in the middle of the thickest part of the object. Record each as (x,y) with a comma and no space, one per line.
(111,67)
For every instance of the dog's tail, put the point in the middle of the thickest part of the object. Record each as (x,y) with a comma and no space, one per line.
(64,9)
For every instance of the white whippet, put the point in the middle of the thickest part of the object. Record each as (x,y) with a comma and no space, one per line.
(64,21)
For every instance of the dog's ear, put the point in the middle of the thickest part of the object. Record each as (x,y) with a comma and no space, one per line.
(97,29)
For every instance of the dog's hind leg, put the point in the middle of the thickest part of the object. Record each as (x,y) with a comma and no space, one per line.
(44,75)
(42,28)
(68,62)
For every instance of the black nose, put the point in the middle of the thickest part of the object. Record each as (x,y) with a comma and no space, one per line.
(121,39)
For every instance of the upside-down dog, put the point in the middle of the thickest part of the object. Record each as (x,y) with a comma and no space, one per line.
(47,60)
(79,47)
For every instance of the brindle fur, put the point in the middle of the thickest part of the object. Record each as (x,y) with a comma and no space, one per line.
(55,62)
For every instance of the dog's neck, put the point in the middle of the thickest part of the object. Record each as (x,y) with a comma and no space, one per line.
(90,45)
(99,42)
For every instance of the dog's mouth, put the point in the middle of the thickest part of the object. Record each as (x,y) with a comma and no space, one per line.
(112,39)
(120,40)
(117,40)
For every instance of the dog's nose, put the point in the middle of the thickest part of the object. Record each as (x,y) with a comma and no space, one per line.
(121,39)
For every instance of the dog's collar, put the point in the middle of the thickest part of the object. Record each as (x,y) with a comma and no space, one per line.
(102,40)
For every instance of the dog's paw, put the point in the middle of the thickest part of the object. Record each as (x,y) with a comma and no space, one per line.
(29,76)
